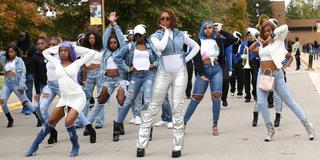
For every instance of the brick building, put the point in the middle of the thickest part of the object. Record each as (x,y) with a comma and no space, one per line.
(305,29)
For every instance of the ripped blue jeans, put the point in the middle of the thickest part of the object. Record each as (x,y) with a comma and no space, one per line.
(214,74)
(138,79)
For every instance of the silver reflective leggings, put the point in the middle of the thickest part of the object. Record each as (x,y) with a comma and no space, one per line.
(161,86)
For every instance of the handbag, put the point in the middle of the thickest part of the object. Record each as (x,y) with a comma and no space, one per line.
(267,82)
(103,95)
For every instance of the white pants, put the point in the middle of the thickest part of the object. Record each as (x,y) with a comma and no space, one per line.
(163,81)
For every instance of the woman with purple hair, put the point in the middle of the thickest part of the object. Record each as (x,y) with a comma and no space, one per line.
(72,95)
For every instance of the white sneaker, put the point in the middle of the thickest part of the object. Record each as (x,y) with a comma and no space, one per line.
(132,121)
(232,94)
(239,96)
(169,125)
(137,120)
(160,123)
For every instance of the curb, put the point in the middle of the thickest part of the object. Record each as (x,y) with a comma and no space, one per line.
(13,106)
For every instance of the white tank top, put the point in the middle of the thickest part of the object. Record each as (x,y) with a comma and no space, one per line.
(141,60)
(209,48)
(11,66)
(265,52)
(111,64)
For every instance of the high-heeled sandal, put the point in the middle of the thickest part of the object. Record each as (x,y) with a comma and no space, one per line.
(215,130)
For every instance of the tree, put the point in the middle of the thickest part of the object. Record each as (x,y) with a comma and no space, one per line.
(189,12)
(72,18)
(233,14)
(303,9)
(13,20)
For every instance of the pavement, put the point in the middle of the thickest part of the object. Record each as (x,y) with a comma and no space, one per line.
(237,139)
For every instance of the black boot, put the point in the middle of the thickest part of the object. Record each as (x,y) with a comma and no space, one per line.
(140,152)
(116,131)
(39,123)
(255,119)
(277,120)
(91,132)
(86,131)
(150,137)
(10,120)
(121,129)
(176,154)
(53,136)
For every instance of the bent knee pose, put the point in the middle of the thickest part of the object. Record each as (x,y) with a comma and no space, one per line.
(109,73)
(15,81)
(139,60)
(210,70)
(72,95)
(172,72)
(272,53)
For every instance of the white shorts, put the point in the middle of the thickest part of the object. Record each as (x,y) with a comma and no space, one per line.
(77,101)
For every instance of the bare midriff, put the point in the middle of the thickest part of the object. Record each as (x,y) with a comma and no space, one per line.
(10,74)
(269,64)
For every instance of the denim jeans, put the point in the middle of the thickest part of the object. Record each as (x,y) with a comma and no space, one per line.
(282,90)
(29,84)
(137,106)
(139,79)
(112,84)
(52,90)
(93,79)
(214,74)
(166,110)
(277,102)
(7,89)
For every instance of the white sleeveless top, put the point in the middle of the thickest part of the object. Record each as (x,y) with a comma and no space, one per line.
(141,60)
(11,66)
(111,64)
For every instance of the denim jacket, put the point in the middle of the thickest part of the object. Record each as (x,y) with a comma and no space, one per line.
(124,58)
(20,71)
(108,53)
(174,46)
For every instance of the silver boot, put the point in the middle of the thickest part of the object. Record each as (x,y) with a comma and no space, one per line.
(270,132)
(308,126)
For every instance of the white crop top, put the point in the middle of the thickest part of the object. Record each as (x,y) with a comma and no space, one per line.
(265,52)
(209,48)
(11,66)
(111,64)
(141,60)
(97,59)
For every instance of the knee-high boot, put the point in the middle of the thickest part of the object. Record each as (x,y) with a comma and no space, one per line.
(308,126)
(74,140)
(270,132)
(46,128)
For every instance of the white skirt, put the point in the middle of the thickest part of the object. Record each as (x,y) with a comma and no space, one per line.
(77,101)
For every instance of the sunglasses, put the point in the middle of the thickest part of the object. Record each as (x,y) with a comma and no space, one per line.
(165,18)
(207,28)
(138,35)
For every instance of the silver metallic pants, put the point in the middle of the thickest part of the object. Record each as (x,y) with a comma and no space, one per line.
(161,86)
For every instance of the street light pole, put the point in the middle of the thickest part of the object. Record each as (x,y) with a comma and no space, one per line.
(257,9)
